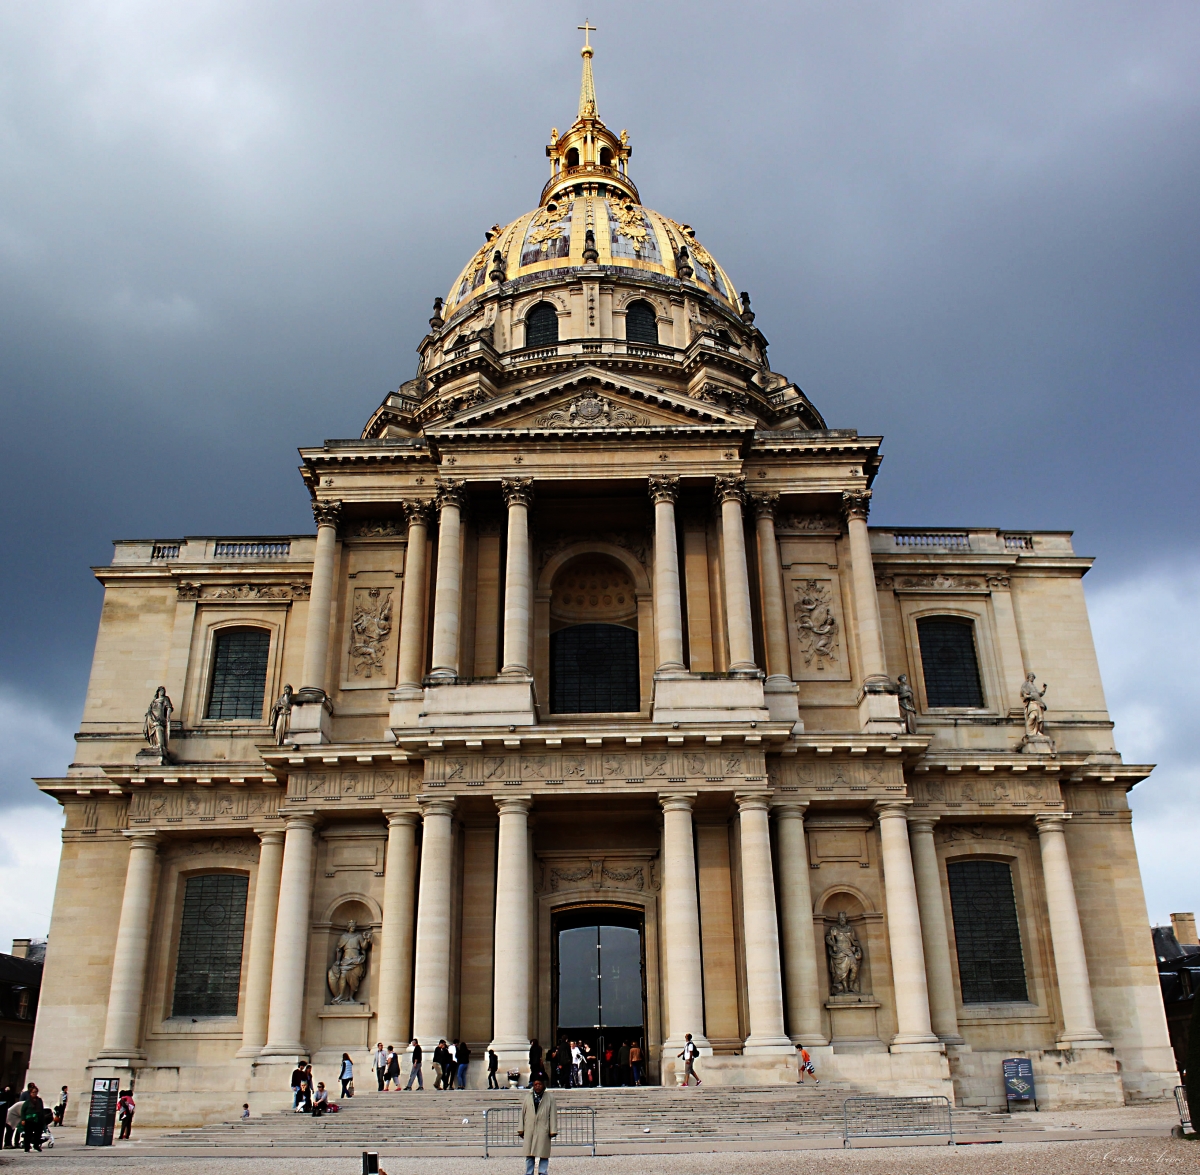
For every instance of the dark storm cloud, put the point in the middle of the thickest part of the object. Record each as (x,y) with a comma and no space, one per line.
(969,227)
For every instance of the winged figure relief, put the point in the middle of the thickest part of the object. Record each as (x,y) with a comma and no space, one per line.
(369,630)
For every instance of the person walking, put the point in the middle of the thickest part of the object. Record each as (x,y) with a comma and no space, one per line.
(12,1121)
(493,1065)
(125,1112)
(452,1063)
(60,1108)
(346,1075)
(689,1054)
(391,1072)
(576,1064)
(463,1056)
(535,1061)
(538,1126)
(441,1061)
(415,1072)
(32,1120)
(379,1063)
(806,1066)
(635,1062)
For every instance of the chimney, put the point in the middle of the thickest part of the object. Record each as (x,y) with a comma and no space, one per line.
(1184,926)
(21,945)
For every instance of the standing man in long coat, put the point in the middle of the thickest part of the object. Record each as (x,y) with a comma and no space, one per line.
(539,1124)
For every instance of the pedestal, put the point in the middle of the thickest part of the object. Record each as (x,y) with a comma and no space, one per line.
(684,698)
(506,701)
(852,1024)
(311,723)
(345,1028)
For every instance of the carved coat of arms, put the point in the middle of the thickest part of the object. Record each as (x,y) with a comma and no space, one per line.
(592,412)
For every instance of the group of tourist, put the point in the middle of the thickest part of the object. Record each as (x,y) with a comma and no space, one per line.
(574,1064)
(25,1117)
(310,1096)
(450,1061)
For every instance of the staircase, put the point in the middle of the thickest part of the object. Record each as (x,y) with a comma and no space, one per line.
(645,1118)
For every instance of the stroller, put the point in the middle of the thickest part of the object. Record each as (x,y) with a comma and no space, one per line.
(47,1139)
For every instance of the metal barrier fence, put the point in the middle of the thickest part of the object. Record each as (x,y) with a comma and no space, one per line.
(1185,1116)
(896,1117)
(576,1127)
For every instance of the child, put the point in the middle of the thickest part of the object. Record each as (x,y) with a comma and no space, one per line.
(245,1110)
(806,1066)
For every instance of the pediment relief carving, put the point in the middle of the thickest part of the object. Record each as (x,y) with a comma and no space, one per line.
(556,873)
(592,402)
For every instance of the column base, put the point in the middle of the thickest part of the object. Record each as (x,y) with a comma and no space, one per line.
(282,1054)
(1082,1042)
(760,1046)
(311,722)
(503,701)
(248,1052)
(673,1045)
(879,708)
(407,703)
(916,1044)
(118,1059)
(810,1040)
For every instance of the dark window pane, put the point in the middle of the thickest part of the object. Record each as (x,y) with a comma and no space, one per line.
(620,976)
(641,325)
(239,674)
(578,981)
(594,669)
(541,326)
(209,968)
(949,663)
(991,968)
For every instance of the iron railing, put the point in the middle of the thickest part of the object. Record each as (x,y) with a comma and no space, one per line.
(896,1117)
(576,1127)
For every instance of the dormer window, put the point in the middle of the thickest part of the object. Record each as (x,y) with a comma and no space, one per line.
(541,326)
(641,323)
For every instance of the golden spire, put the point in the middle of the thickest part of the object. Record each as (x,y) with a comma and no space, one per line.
(587,90)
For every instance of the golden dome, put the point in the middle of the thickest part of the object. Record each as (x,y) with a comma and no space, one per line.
(590,213)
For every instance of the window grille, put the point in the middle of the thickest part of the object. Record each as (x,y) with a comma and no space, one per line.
(541,326)
(641,323)
(991,967)
(594,669)
(208,970)
(949,663)
(239,674)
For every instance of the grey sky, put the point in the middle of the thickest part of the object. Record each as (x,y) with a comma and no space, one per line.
(970,227)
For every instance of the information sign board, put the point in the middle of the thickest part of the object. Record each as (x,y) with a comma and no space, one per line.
(1018,1079)
(102,1114)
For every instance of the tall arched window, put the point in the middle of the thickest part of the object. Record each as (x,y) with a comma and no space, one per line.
(239,677)
(641,323)
(948,661)
(573,157)
(541,326)
(208,967)
(605,157)
(987,935)
(594,669)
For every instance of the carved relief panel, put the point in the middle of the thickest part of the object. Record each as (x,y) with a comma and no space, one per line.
(983,789)
(201,805)
(369,783)
(816,624)
(870,776)
(370,605)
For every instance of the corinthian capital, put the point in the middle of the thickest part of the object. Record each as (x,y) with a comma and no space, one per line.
(664,489)
(765,504)
(517,491)
(327,513)
(416,510)
(731,487)
(450,492)
(856,503)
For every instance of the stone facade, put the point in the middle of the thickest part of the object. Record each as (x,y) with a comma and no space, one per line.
(549,469)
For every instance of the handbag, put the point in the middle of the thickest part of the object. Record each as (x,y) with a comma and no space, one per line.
(350,1087)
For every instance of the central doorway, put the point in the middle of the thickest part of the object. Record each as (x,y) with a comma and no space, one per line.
(600,981)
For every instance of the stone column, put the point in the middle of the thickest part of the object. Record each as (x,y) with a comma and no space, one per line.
(668,614)
(681,926)
(1070,959)
(802,981)
(395,955)
(878,707)
(448,592)
(510,998)
(131,950)
(320,602)
(518,581)
(914,1032)
(731,493)
(290,963)
(943,1006)
(412,605)
(431,970)
(257,1004)
(775,620)
(764,985)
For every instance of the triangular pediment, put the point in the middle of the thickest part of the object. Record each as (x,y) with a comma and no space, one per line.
(591,400)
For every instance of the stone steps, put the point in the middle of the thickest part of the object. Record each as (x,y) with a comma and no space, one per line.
(646,1115)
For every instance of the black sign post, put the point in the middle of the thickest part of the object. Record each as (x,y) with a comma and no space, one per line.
(102,1115)
(1018,1080)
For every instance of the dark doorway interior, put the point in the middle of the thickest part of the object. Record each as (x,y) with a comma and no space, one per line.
(599,982)
(594,669)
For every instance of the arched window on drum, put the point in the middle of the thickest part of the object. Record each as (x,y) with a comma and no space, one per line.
(541,326)
(641,323)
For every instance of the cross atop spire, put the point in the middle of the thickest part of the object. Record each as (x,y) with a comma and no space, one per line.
(587,89)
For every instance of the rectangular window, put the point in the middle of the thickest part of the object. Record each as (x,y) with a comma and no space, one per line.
(949,663)
(239,674)
(208,971)
(991,968)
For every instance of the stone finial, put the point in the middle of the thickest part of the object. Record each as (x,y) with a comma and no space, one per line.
(747,313)
(683,266)
(499,271)
(590,253)
(437,322)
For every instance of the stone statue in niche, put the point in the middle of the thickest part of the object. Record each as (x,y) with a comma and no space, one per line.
(349,964)
(845,957)
(281,715)
(157,725)
(908,703)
